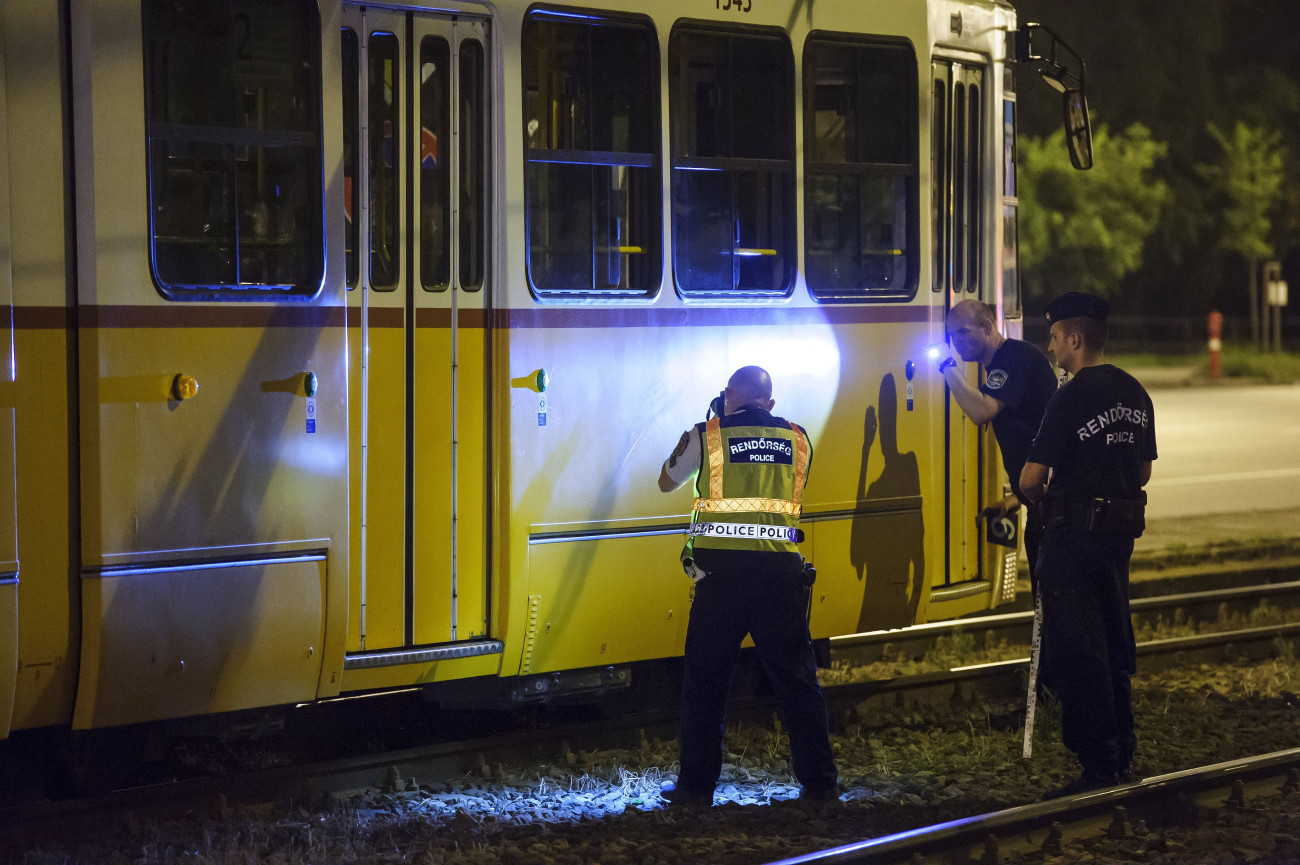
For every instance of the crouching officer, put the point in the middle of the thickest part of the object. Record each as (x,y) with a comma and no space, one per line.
(1096,445)
(750,469)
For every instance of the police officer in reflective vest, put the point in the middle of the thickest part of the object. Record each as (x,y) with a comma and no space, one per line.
(1087,467)
(750,469)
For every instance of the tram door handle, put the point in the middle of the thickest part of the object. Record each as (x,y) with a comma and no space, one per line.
(184,386)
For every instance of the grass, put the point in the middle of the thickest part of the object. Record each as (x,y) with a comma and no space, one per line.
(1273,367)
(1127,360)
(1235,361)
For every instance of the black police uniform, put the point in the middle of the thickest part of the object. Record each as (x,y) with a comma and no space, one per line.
(1097,432)
(1021,378)
(762,594)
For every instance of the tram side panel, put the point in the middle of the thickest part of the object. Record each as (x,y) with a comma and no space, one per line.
(604,584)
(214,524)
(8,480)
(43,392)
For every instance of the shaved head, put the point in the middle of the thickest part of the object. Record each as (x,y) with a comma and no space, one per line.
(973,330)
(974,312)
(749,386)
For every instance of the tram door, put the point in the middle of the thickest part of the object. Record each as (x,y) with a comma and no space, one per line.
(415,151)
(957,169)
(8,481)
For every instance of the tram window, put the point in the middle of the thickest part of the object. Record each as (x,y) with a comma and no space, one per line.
(1010,224)
(234,141)
(960,161)
(975,191)
(473,168)
(382,80)
(732,107)
(860,169)
(435,173)
(939,184)
(592,182)
(351,151)
(1010,262)
(1009,148)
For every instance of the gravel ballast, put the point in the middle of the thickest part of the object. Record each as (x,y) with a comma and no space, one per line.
(909,768)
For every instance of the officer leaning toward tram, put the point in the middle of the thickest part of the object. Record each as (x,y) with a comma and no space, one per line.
(1018,382)
(1087,467)
(750,469)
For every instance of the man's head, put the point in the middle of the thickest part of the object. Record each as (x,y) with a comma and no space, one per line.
(748,387)
(1078,335)
(973,330)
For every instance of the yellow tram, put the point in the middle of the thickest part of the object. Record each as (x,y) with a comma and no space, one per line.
(346,340)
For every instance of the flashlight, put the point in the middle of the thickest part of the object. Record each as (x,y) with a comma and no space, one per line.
(934,351)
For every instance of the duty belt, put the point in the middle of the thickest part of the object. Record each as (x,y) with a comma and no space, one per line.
(1098,515)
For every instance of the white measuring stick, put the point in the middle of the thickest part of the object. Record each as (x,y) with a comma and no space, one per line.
(1031,699)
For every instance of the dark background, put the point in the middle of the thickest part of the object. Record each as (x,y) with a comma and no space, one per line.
(1176,66)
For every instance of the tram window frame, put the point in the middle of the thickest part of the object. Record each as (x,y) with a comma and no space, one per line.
(216,131)
(1011,294)
(473,147)
(583,152)
(885,79)
(387,157)
(350,54)
(734,174)
(432,105)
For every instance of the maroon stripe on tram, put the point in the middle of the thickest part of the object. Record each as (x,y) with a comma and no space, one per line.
(255,316)
(543,317)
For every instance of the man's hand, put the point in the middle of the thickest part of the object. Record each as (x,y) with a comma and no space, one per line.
(943,360)
(1033,482)
(1009,505)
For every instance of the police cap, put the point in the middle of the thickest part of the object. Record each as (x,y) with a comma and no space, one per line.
(1076,304)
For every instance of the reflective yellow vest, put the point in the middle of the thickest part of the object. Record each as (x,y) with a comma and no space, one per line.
(749,490)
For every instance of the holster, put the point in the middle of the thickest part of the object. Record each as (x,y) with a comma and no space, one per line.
(1098,516)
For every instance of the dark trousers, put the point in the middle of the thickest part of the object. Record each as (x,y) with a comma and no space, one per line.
(1089,652)
(1033,540)
(760,594)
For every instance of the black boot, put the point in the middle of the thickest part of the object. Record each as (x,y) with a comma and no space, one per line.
(677,797)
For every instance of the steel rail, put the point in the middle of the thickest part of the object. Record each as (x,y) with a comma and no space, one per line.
(1159,800)
(1004,679)
(1015,628)
(315,781)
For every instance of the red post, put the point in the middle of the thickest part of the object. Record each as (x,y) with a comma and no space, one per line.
(1215,325)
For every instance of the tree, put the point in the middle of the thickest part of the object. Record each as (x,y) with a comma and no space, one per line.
(1084,230)
(1248,182)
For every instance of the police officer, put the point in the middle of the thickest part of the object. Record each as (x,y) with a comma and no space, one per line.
(1088,464)
(750,469)
(1018,382)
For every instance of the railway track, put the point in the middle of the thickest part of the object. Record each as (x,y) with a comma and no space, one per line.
(1043,826)
(1006,680)
(314,782)
(1016,628)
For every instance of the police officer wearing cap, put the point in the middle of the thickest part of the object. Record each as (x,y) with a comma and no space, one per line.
(1017,384)
(750,468)
(1087,466)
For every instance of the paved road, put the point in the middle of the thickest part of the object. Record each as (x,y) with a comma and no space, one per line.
(1225,450)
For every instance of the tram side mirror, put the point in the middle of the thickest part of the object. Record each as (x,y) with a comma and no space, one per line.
(1062,69)
(1078,130)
